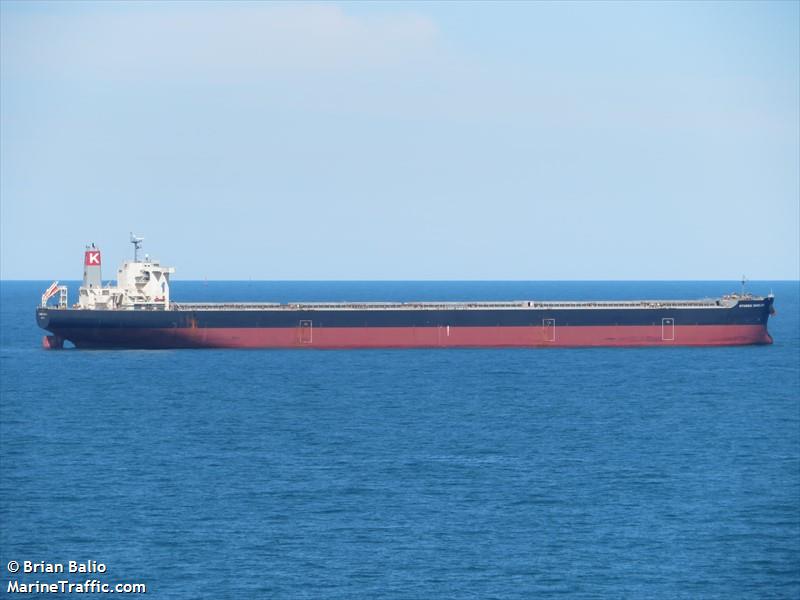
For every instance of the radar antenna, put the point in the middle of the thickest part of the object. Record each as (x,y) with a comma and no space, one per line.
(137,244)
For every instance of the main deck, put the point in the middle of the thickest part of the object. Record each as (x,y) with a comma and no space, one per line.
(711,303)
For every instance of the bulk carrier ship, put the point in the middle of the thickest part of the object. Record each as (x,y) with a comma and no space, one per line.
(138,312)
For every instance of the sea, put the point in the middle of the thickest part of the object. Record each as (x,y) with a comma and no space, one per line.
(460,473)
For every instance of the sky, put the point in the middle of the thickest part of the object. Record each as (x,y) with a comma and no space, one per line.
(532,141)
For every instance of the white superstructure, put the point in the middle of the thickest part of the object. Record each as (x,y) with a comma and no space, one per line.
(141,284)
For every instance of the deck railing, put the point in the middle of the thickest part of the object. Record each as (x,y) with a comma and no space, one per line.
(518,305)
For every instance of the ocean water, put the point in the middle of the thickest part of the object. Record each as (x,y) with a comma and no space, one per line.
(596,473)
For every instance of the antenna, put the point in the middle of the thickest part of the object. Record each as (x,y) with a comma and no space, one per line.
(137,243)
(744,282)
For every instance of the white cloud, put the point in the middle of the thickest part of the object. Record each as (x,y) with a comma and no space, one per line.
(210,40)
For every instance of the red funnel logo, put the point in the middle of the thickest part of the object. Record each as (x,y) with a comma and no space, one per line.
(92,258)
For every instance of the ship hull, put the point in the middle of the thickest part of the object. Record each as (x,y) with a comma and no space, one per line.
(742,324)
(421,337)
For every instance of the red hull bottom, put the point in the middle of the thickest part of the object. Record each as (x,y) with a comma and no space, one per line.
(423,337)
(52,342)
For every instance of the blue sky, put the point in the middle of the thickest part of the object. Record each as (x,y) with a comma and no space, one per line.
(403,140)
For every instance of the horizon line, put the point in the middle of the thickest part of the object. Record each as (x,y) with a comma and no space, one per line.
(739,281)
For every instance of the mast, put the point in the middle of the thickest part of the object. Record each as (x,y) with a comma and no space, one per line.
(137,244)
